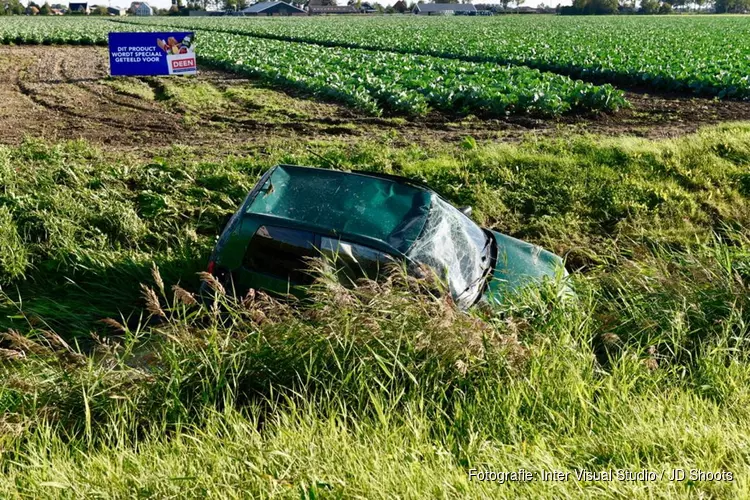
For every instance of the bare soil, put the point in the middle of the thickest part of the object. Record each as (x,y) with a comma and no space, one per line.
(62,93)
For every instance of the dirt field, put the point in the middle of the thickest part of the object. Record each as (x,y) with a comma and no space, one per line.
(64,93)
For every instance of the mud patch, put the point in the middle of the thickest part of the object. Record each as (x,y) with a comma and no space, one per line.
(61,92)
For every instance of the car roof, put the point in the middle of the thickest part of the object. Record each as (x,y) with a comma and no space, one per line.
(389,209)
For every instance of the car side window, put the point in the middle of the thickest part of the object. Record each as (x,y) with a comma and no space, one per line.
(282,252)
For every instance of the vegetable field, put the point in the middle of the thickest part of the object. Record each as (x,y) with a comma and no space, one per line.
(372,81)
(490,67)
(700,55)
(59,31)
(405,83)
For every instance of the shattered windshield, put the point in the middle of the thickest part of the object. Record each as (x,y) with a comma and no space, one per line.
(456,248)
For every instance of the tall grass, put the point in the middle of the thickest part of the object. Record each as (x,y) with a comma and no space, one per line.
(384,389)
(388,389)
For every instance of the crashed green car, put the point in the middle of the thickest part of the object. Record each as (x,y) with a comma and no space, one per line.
(363,221)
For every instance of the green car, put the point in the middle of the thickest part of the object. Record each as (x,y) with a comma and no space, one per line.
(362,221)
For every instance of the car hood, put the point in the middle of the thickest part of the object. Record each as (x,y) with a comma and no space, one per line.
(519,264)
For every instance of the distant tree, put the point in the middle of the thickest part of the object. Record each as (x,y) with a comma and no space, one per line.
(591,7)
(723,6)
(6,8)
(99,10)
(401,6)
(649,7)
(665,8)
(731,6)
(45,10)
(519,3)
(207,4)
(234,5)
(603,7)
(16,8)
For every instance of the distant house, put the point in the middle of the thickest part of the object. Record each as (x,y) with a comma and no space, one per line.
(400,6)
(116,11)
(315,10)
(206,13)
(367,8)
(141,9)
(443,9)
(275,8)
(79,8)
(32,11)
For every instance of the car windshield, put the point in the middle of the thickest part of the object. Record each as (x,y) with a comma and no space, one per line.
(456,248)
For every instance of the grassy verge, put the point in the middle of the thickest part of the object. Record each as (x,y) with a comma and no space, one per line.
(383,390)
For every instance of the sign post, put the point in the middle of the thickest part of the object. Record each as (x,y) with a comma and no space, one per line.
(151,54)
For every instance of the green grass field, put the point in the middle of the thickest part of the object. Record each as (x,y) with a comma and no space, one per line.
(384,390)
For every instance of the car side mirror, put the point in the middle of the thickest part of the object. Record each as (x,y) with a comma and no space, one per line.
(465,210)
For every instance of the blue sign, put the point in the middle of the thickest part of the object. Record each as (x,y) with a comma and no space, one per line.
(151,54)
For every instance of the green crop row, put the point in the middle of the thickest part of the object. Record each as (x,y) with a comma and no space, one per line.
(403,83)
(58,31)
(693,54)
(373,81)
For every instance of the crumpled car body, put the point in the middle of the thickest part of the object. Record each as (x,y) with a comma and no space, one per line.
(363,221)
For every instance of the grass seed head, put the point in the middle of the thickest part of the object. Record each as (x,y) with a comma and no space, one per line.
(24,344)
(11,355)
(152,302)
(183,296)
(157,278)
(213,283)
(114,324)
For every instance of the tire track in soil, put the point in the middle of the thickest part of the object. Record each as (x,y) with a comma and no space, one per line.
(59,93)
(99,111)
(104,92)
(56,93)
